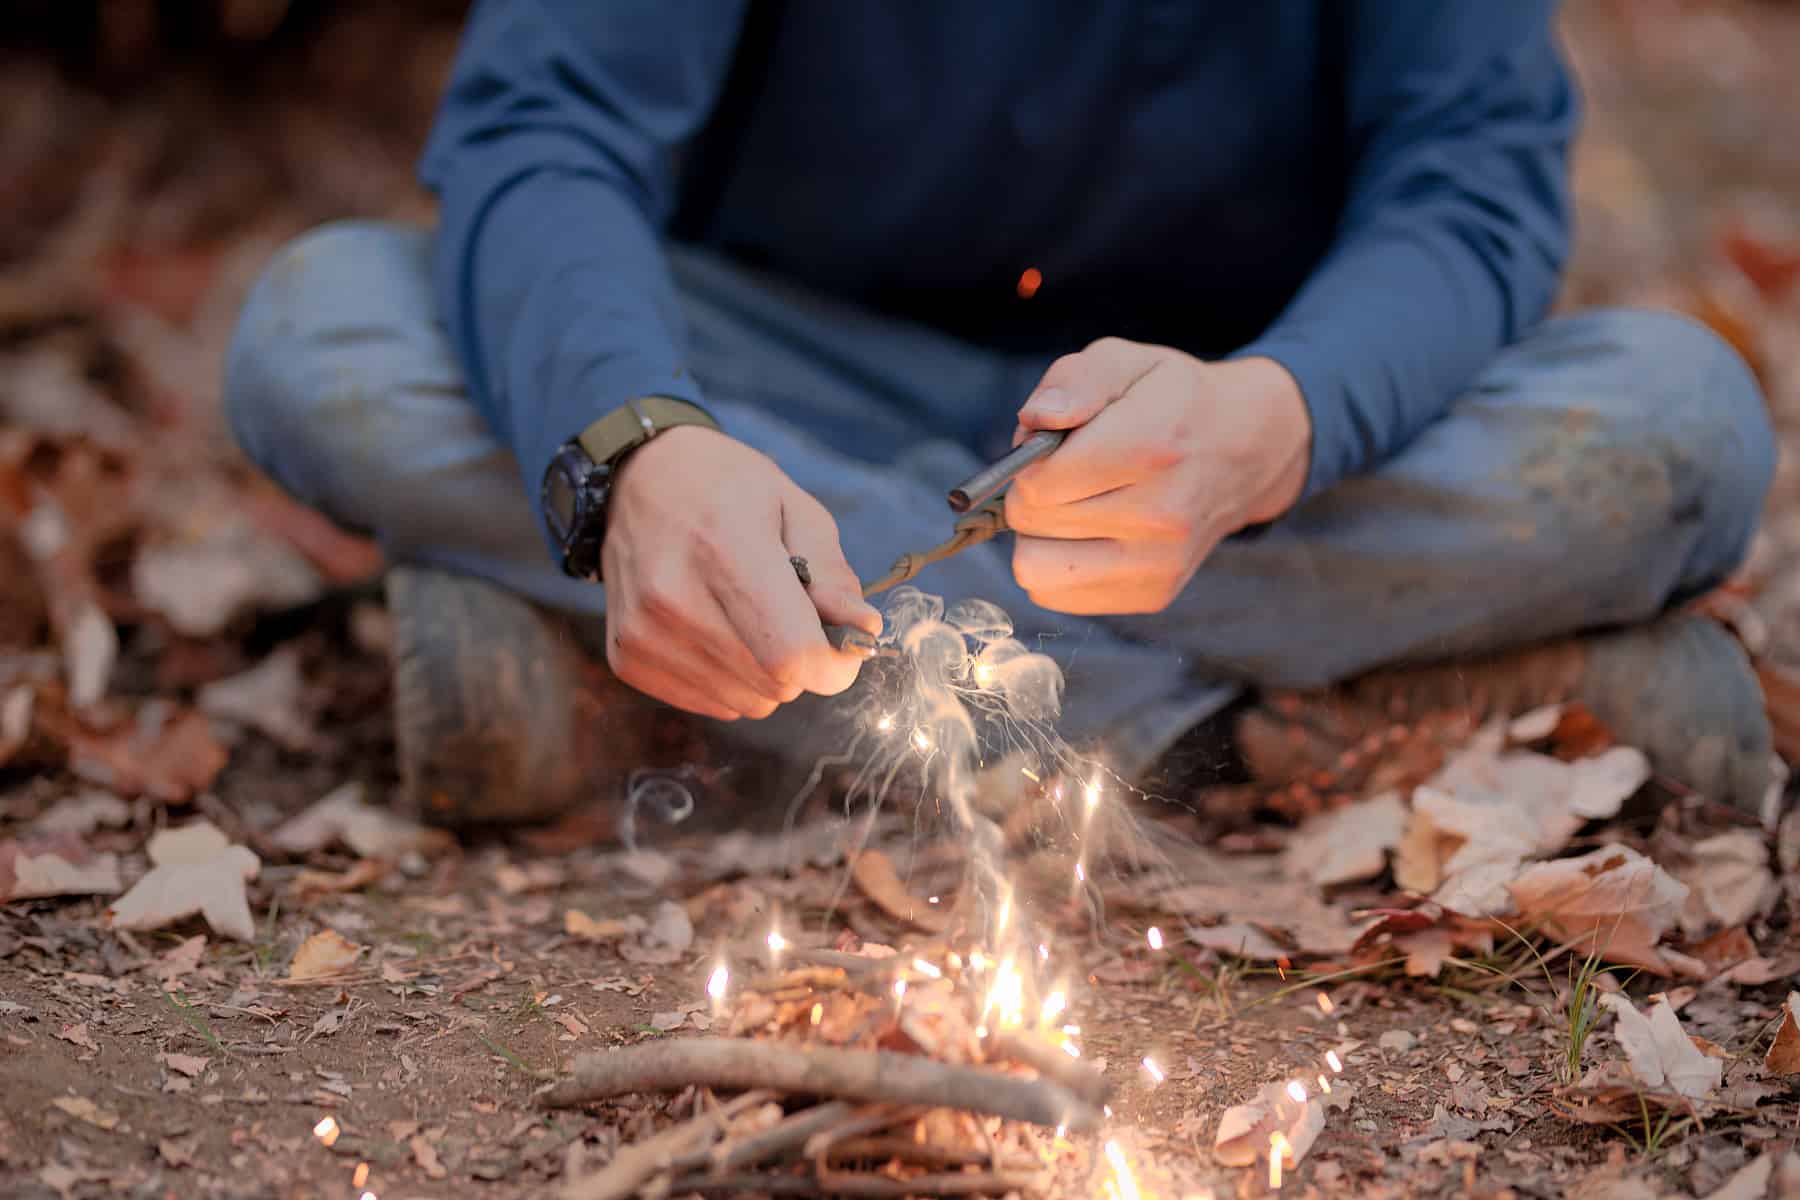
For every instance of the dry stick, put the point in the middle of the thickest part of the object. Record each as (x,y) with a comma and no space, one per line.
(775,1142)
(922,1154)
(872,1076)
(1047,1060)
(635,1165)
(987,1183)
(873,1120)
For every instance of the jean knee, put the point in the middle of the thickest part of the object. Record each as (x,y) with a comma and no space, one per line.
(1706,411)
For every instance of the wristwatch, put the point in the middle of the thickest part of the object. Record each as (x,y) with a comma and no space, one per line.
(577,485)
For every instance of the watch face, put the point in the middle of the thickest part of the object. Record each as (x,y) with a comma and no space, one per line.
(560,498)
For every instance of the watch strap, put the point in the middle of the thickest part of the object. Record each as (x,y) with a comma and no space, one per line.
(637,421)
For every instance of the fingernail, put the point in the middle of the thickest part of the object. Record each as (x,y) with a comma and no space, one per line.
(1052,402)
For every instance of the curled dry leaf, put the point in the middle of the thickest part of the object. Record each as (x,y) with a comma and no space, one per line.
(874,875)
(269,698)
(1349,843)
(197,870)
(83,1109)
(1245,1129)
(1728,880)
(578,924)
(326,952)
(1660,1053)
(190,1065)
(1783,1057)
(1613,901)
(55,866)
(341,815)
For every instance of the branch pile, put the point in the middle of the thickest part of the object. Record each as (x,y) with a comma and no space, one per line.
(871,1074)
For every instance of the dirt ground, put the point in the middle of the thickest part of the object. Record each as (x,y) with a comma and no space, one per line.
(179,1062)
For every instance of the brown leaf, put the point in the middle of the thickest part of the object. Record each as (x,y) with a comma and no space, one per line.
(55,866)
(326,952)
(1235,937)
(309,885)
(197,870)
(874,875)
(190,1065)
(1783,1057)
(163,756)
(1726,948)
(1660,1053)
(201,587)
(83,1109)
(425,1155)
(578,924)
(78,1035)
(178,1152)
(1614,901)
(1350,843)
(1245,1130)
(179,961)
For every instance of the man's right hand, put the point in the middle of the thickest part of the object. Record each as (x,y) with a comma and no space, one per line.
(703,609)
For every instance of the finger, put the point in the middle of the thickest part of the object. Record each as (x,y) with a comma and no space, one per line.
(777,620)
(1111,450)
(1137,512)
(1077,387)
(809,531)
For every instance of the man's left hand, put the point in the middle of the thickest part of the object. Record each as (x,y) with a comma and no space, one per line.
(1168,455)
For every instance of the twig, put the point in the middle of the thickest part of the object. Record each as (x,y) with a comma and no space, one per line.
(1034,1052)
(922,1154)
(637,1164)
(785,1135)
(986,1183)
(875,1076)
(872,1120)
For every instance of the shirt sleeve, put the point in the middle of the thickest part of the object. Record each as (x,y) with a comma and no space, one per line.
(552,157)
(1455,225)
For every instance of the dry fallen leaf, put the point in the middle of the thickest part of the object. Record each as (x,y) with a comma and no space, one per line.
(197,870)
(579,925)
(81,814)
(342,816)
(165,753)
(179,961)
(1783,1057)
(1245,1129)
(1235,937)
(874,875)
(1659,1051)
(77,1034)
(268,697)
(83,1109)
(201,587)
(190,1065)
(1349,843)
(178,1152)
(1751,1182)
(1728,880)
(326,952)
(1613,901)
(426,1156)
(55,866)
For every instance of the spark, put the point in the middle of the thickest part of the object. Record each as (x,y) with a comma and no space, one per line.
(1278,1151)
(1005,916)
(929,969)
(920,740)
(1281,966)
(1054,1003)
(984,674)
(1043,952)
(981,1032)
(1155,1071)
(1093,794)
(1028,773)
(931,899)
(818,1013)
(361,1175)
(1297,1090)
(327,1130)
(1007,995)
(1154,937)
(1325,1084)
(1123,1180)
(1325,1004)
(886,724)
(899,989)
(1060,1131)
(953,958)
(979,961)
(1071,1031)
(366,1196)
(1080,873)
(1030,280)
(1071,1049)
(720,980)
(777,943)
(1334,1062)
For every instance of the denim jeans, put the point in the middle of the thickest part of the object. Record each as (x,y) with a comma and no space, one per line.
(1606,466)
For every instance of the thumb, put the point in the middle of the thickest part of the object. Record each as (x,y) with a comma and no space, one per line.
(1077,387)
(809,531)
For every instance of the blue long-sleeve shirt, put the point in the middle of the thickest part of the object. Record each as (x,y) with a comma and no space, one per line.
(1371,192)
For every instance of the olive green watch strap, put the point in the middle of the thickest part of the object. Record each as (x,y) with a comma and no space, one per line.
(637,421)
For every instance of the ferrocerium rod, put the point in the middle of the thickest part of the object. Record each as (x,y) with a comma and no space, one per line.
(988,481)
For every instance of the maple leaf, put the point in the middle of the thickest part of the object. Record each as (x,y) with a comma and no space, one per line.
(55,866)
(197,870)
(1659,1051)
(1783,1057)
(1613,902)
